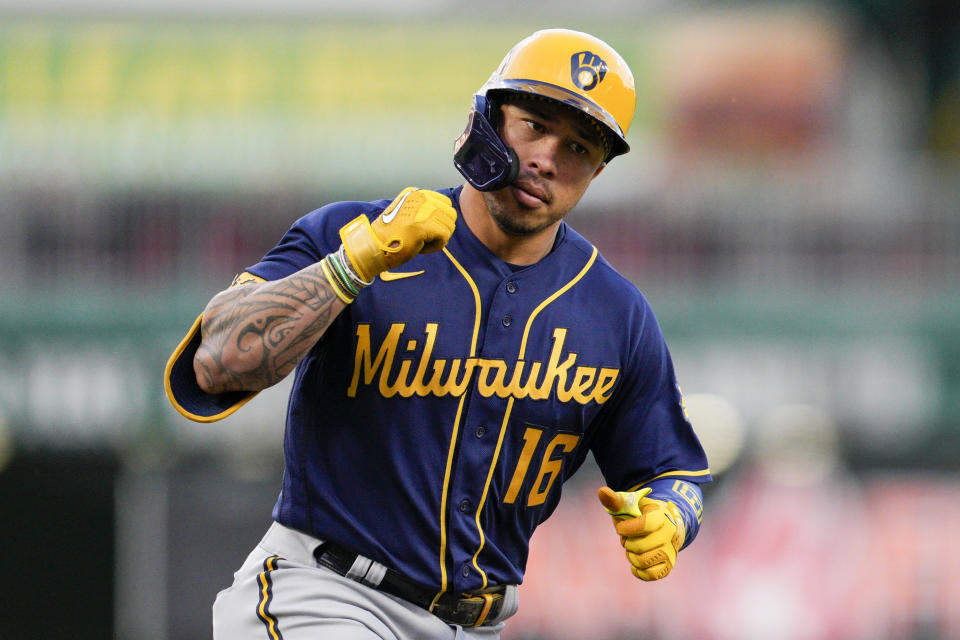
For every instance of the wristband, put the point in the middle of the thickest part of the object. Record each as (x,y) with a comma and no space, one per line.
(336,284)
(360,282)
(343,280)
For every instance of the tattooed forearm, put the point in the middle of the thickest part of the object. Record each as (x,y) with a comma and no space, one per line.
(255,334)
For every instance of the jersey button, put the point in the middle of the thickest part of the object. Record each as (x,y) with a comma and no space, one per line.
(481,431)
(507,321)
(465,571)
(511,287)
(465,506)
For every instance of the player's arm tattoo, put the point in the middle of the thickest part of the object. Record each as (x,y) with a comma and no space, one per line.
(253,335)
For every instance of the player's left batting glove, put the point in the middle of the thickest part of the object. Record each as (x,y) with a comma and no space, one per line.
(651,531)
(417,221)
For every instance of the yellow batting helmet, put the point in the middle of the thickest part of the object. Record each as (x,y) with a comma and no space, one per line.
(571,67)
(574,68)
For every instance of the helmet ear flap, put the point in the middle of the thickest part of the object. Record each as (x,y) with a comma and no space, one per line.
(480,154)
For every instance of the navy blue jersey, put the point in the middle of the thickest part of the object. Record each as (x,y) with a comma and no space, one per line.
(432,426)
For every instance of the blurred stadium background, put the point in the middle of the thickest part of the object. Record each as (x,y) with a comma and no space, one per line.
(791,208)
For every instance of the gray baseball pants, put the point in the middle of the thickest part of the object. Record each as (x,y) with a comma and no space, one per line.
(281,593)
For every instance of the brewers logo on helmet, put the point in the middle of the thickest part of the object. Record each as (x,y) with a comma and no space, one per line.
(587,70)
(571,67)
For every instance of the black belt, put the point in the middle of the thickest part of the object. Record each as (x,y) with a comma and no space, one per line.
(467,609)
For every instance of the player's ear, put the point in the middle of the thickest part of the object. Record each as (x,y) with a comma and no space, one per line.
(599,169)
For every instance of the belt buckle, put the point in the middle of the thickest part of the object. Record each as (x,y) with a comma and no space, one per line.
(463,610)
(488,600)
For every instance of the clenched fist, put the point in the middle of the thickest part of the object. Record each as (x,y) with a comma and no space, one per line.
(417,221)
(651,531)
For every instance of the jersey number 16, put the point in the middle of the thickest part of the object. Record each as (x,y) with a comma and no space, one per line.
(549,466)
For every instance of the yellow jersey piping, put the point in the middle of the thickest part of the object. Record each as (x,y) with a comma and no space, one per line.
(506,417)
(241,279)
(194,328)
(456,427)
(670,474)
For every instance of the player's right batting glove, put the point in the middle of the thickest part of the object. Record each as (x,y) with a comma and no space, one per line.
(417,221)
(651,531)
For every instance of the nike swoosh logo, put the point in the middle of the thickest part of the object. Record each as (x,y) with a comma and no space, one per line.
(386,219)
(388,276)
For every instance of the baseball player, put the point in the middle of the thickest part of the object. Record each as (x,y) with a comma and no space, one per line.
(456,355)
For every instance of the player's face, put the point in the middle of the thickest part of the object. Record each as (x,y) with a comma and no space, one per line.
(559,154)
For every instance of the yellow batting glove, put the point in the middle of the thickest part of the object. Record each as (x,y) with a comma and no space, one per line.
(651,531)
(417,221)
